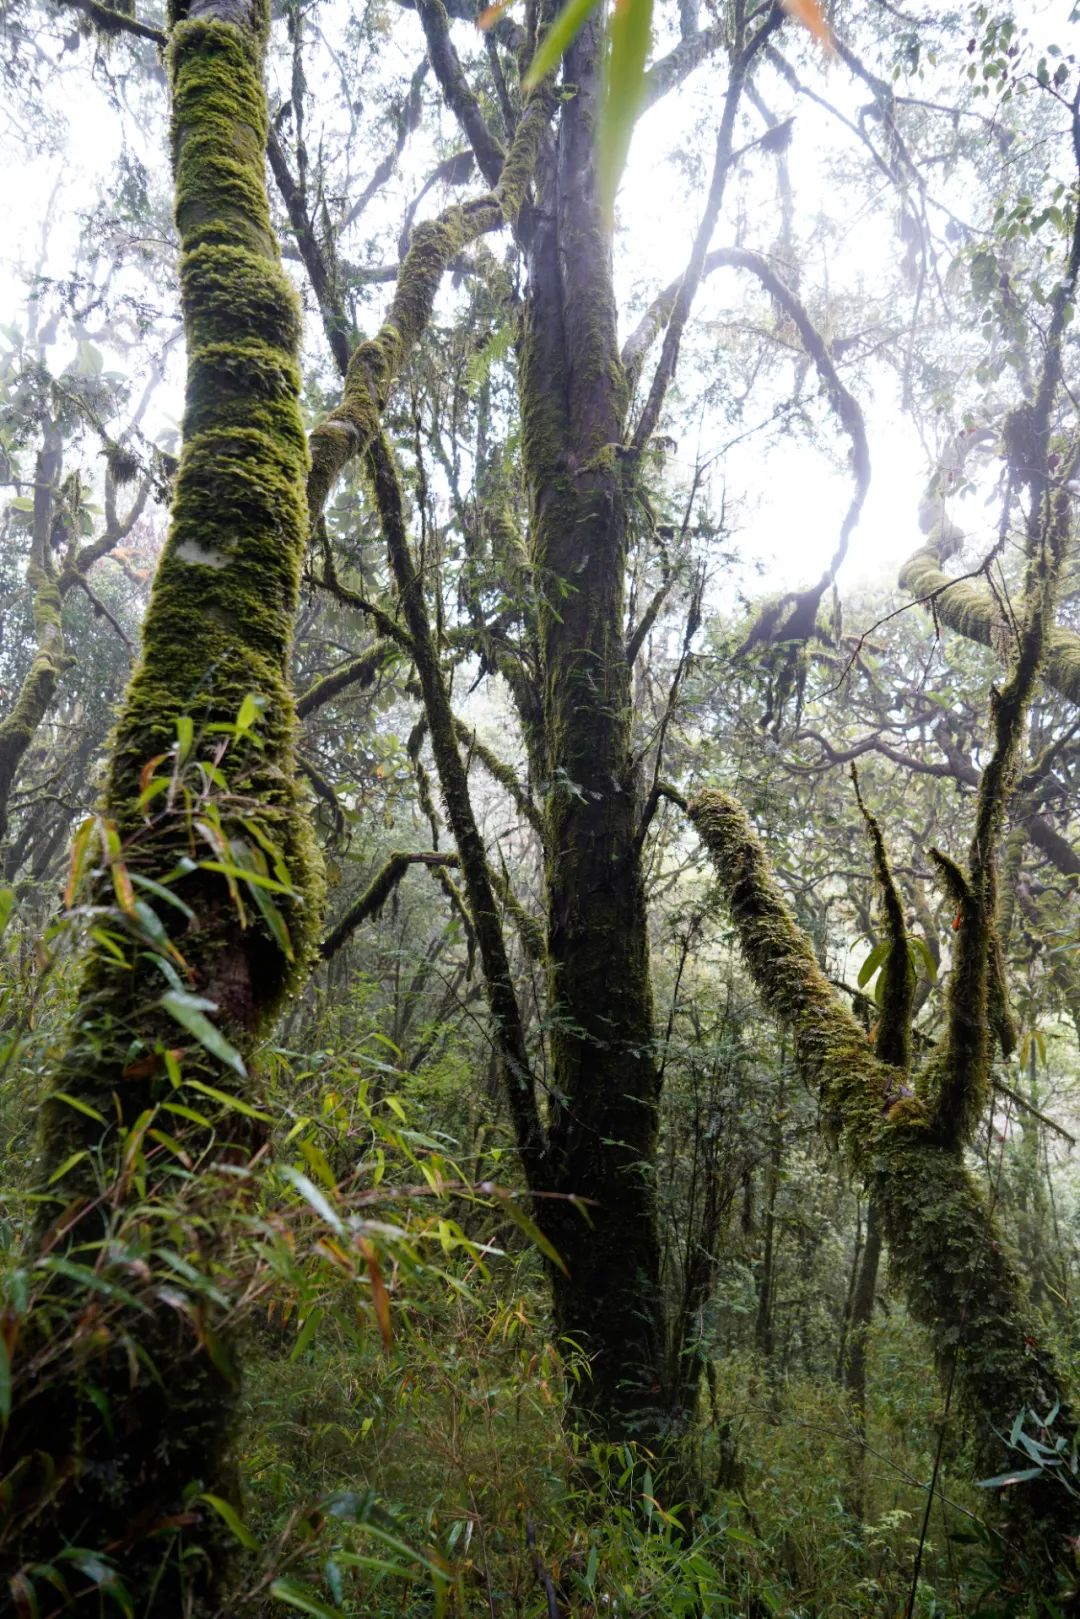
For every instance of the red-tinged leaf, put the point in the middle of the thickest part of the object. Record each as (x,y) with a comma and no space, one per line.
(491,14)
(80,844)
(148,770)
(143,1068)
(380,1298)
(810,14)
(956,921)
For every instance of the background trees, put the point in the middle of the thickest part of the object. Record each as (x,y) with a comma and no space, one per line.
(518,655)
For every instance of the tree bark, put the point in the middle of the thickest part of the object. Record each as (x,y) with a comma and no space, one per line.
(134,1414)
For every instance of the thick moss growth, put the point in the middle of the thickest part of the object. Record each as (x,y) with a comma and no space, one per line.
(350,428)
(970,610)
(36,692)
(958,1278)
(138,1417)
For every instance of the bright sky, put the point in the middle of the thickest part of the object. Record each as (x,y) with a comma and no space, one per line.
(788,496)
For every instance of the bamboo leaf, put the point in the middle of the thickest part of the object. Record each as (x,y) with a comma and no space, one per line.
(299,1595)
(232,1521)
(306,1333)
(531,1230)
(79,845)
(69,1163)
(182,1007)
(630,35)
(79,1106)
(1000,1480)
(562,33)
(380,1298)
(235,1104)
(311,1195)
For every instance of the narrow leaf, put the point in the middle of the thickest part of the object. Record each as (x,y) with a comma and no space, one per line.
(562,33)
(630,35)
(196,1023)
(232,1521)
(299,1595)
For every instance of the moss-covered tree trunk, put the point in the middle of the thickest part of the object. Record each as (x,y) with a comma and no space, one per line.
(132,1414)
(36,691)
(944,1245)
(605,1095)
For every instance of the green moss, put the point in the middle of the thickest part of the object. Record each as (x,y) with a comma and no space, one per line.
(36,692)
(971,611)
(892,1042)
(350,428)
(957,1274)
(218,629)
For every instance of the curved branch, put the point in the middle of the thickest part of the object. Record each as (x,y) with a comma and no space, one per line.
(350,428)
(377,893)
(944,1246)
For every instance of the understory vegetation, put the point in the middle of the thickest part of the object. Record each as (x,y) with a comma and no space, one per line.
(539,831)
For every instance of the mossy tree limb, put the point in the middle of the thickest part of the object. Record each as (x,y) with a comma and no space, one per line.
(231,567)
(959,1280)
(378,891)
(509,1031)
(971,611)
(892,1042)
(375,364)
(35,693)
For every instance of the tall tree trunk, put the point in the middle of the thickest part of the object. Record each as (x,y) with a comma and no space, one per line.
(604,1121)
(36,691)
(134,1411)
(854,1352)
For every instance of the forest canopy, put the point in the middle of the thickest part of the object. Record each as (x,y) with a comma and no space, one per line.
(539,834)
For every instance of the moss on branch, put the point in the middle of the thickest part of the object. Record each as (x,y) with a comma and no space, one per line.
(958,1276)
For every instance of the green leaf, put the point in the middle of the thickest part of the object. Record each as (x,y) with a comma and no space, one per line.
(232,1521)
(251,710)
(872,963)
(89,1279)
(306,1333)
(311,1195)
(630,35)
(69,1163)
(274,920)
(1001,1479)
(299,1595)
(921,956)
(185,736)
(233,1103)
(532,1231)
(562,33)
(7,907)
(161,892)
(180,1006)
(80,1107)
